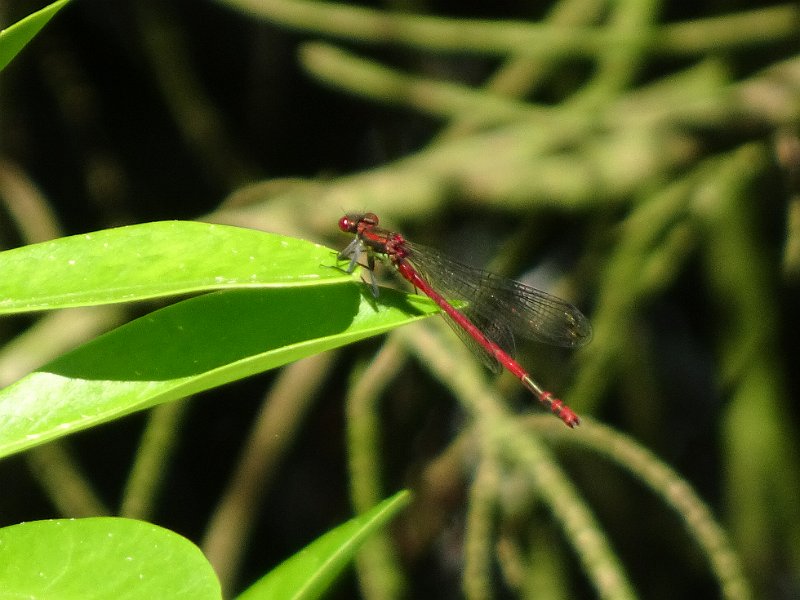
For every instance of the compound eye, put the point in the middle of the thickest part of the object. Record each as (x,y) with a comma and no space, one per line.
(347,224)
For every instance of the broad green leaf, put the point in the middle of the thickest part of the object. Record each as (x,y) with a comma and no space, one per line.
(154,260)
(191,346)
(101,558)
(14,39)
(310,572)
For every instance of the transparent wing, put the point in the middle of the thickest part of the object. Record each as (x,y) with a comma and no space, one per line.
(502,307)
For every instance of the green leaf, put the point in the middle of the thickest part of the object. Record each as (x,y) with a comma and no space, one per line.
(82,559)
(156,259)
(310,572)
(16,37)
(192,346)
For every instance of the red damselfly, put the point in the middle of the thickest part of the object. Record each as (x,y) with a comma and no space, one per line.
(495,307)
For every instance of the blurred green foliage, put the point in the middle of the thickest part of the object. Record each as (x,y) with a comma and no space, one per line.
(645,154)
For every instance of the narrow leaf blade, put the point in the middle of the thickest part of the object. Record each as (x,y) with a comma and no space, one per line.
(310,572)
(15,38)
(192,346)
(153,260)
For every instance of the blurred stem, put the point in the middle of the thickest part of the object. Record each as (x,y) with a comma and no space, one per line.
(617,67)
(52,465)
(700,95)
(153,457)
(54,334)
(27,205)
(622,290)
(514,164)
(451,365)
(379,573)
(602,565)
(519,76)
(66,486)
(668,485)
(523,166)
(761,491)
(273,432)
(447,100)
(201,124)
(787,150)
(481,515)
(509,37)
(439,492)
(735,30)
(791,254)
(544,561)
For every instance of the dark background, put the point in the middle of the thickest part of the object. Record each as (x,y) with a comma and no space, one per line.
(86,117)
